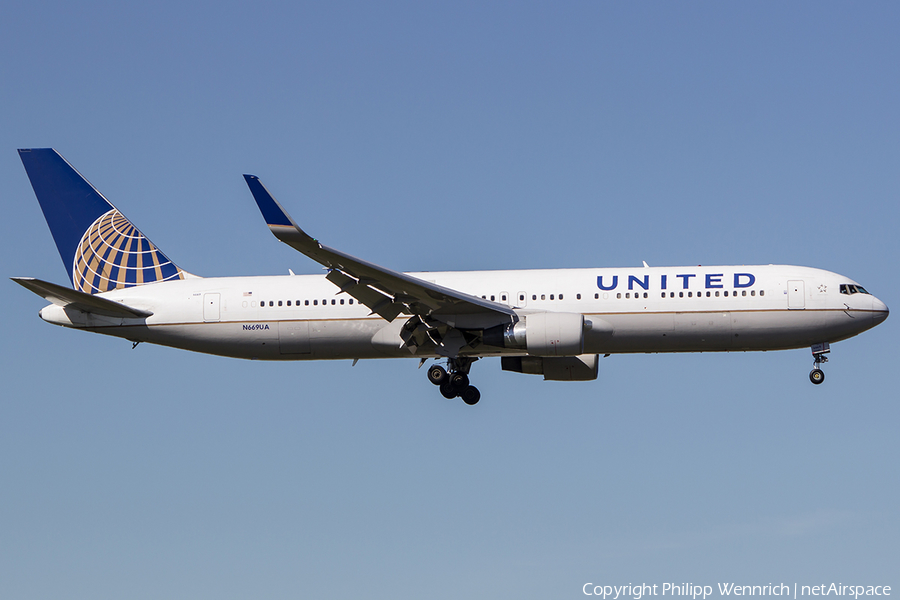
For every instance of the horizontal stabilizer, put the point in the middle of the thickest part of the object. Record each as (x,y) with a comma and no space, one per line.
(67,297)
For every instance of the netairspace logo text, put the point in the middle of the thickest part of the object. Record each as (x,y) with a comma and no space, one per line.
(638,591)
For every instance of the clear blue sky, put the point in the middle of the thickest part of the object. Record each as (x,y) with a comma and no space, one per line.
(452,136)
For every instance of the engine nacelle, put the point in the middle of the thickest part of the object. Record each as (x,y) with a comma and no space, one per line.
(561,368)
(542,334)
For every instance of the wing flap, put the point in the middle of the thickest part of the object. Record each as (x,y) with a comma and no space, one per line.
(67,297)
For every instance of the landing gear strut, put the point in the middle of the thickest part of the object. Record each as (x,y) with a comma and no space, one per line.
(819,351)
(456,382)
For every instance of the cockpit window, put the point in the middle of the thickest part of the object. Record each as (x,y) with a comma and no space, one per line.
(849,288)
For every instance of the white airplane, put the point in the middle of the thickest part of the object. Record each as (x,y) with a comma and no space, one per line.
(553,322)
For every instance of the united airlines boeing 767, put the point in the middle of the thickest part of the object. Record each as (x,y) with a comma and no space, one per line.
(549,322)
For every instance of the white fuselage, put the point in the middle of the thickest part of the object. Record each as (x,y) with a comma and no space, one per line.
(650,309)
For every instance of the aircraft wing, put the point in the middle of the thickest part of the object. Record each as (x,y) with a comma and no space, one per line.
(67,297)
(386,292)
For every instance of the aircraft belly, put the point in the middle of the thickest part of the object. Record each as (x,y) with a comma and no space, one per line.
(668,332)
(349,338)
(271,340)
(622,333)
(723,331)
(777,330)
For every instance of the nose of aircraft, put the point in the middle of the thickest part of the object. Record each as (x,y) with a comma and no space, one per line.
(880,310)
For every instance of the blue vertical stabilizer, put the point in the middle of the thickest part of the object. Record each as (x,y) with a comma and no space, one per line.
(101,249)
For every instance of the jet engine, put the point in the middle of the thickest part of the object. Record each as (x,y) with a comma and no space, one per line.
(542,334)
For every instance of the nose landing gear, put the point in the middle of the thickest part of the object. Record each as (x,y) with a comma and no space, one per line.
(456,382)
(819,351)
(817,376)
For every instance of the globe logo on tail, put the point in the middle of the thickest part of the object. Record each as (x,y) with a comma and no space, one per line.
(113,254)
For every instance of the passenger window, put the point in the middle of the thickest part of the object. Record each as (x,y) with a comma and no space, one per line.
(315,302)
(534,296)
(560,296)
(342,300)
(332,302)
(690,294)
(671,294)
(663,294)
(578,296)
(503,297)
(492,297)
(627,295)
(521,297)
(351,300)
(726,294)
(752,292)
(744,293)
(306,302)
(619,295)
(707,294)
(717,294)
(279,303)
(543,296)
(597,296)
(271,303)
(681,294)
(762,292)
(551,296)
(646,295)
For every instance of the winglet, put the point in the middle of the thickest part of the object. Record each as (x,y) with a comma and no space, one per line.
(279,221)
(271,211)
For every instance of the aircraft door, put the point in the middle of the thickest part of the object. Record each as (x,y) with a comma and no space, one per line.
(796,294)
(211,307)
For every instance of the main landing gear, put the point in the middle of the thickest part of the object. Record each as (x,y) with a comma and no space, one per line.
(819,351)
(456,382)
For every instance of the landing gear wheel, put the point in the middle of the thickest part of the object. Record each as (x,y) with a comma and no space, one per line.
(817,376)
(437,375)
(470,395)
(448,390)
(459,380)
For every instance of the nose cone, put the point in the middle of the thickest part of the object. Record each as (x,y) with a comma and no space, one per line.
(880,311)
